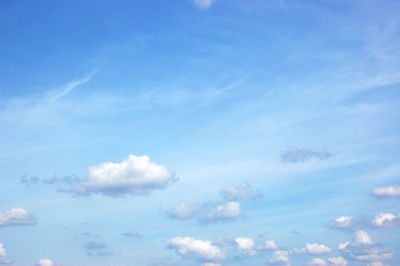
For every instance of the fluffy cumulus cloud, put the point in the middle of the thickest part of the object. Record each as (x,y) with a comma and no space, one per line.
(226,211)
(294,155)
(45,262)
(245,246)
(390,191)
(343,222)
(135,175)
(363,249)
(184,210)
(17,216)
(203,3)
(3,255)
(197,249)
(339,261)
(280,257)
(385,220)
(243,192)
(314,249)
(317,262)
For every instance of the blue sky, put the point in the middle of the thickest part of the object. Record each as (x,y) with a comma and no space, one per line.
(205,132)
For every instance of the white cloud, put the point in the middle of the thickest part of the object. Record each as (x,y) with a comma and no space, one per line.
(226,211)
(362,248)
(343,222)
(45,262)
(184,210)
(384,220)
(201,249)
(390,191)
(362,237)
(3,255)
(244,243)
(314,249)
(204,3)
(339,261)
(243,192)
(17,216)
(280,257)
(316,262)
(134,175)
(270,244)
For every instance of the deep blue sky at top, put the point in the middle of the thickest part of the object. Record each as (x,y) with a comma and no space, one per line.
(218,95)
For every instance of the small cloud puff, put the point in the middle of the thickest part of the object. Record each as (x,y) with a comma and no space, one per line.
(17,216)
(243,192)
(198,249)
(314,249)
(343,222)
(226,211)
(390,191)
(362,248)
(269,245)
(45,262)
(280,257)
(184,210)
(294,155)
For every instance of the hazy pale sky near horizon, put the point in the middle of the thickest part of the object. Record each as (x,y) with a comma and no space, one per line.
(200,132)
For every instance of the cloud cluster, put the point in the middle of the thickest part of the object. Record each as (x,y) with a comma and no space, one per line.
(199,249)
(390,191)
(294,155)
(3,255)
(228,209)
(363,249)
(17,216)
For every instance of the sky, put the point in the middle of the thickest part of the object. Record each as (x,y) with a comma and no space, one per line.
(200,132)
